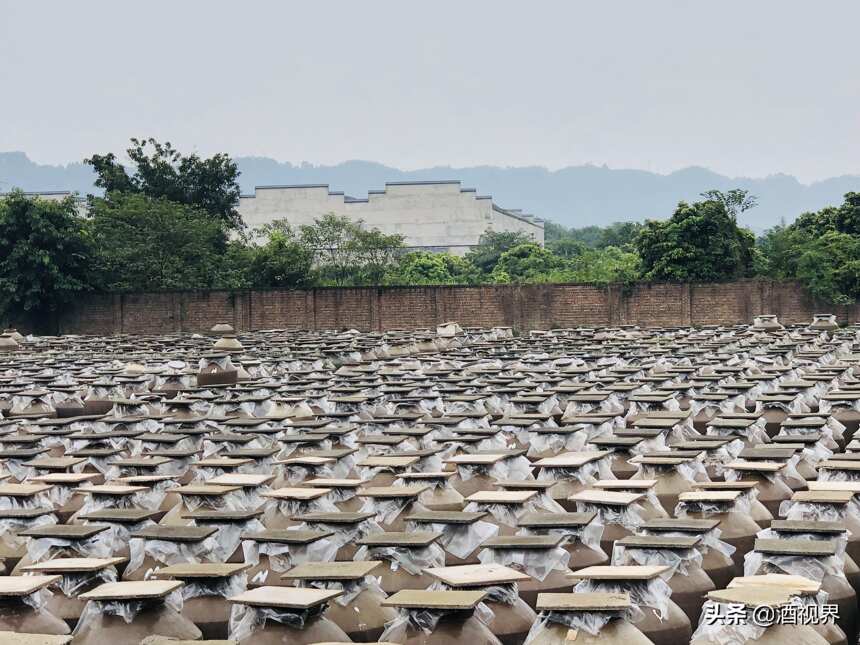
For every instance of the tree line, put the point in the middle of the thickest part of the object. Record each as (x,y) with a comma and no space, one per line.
(169,221)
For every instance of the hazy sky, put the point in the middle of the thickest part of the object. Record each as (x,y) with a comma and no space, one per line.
(745,87)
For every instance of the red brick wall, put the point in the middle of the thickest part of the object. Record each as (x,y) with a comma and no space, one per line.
(523,307)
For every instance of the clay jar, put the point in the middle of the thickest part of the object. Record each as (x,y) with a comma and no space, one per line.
(359,611)
(749,497)
(19,616)
(405,555)
(308,605)
(571,526)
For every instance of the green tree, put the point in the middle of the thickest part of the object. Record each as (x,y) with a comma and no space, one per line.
(701,242)
(144,243)
(161,172)
(527,262)
(606,265)
(735,201)
(283,261)
(423,267)
(492,245)
(44,259)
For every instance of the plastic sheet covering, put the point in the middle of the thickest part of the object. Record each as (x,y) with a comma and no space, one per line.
(544,442)
(229,536)
(10,526)
(814,568)
(387,510)
(538,563)
(283,557)
(345,533)
(170,553)
(726,632)
(710,540)
(630,516)
(840,541)
(224,587)
(588,535)
(512,468)
(42,549)
(590,622)
(125,609)
(459,540)
(39,500)
(792,510)
(586,474)
(413,561)
(653,594)
(740,505)
(681,561)
(37,599)
(350,588)
(151,498)
(296,473)
(72,584)
(119,534)
(226,502)
(424,620)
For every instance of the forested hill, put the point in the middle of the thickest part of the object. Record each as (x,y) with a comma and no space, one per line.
(575,196)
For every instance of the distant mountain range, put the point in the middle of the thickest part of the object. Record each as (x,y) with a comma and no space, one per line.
(574,196)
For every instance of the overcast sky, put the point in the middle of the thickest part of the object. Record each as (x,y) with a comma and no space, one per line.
(745,87)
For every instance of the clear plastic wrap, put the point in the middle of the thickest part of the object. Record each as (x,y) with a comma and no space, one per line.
(739,505)
(10,526)
(630,516)
(224,587)
(350,588)
(654,594)
(459,540)
(813,568)
(538,563)
(170,553)
(345,533)
(840,541)
(413,561)
(681,561)
(282,557)
(554,443)
(229,536)
(388,509)
(710,540)
(73,584)
(590,622)
(726,632)
(42,549)
(125,609)
(588,535)
(794,510)
(247,619)
(424,620)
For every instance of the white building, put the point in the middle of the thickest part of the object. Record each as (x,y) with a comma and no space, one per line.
(431,215)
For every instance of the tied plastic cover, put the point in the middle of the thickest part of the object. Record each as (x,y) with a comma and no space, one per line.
(680,561)
(126,609)
(588,535)
(426,620)
(282,557)
(413,561)
(590,622)
(710,540)
(224,587)
(350,588)
(10,526)
(726,632)
(459,540)
(653,594)
(229,535)
(48,548)
(586,474)
(538,563)
(706,508)
(630,516)
(813,568)
(170,553)
(387,510)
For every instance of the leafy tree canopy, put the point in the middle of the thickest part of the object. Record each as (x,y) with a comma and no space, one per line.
(161,172)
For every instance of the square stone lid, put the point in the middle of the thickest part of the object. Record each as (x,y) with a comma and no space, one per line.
(346,570)
(680,524)
(476,459)
(625,484)
(306,460)
(838,464)
(709,496)
(554,520)
(445,517)
(16,586)
(524,484)
(596,601)
(388,461)
(285,597)
(175,533)
(752,596)
(796,547)
(572,459)
(853,486)
(296,493)
(388,492)
(64,478)
(25,513)
(204,490)
(222,462)
(501,496)
(605,497)
(22,490)
(64,531)
(523,542)
(630,572)
(658,542)
(400,538)
(472,575)
(216,516)
(780,580)
(66,565)
(287,536)
(808,526)
(417,599)
(240,479)
(739,485)
(756,466)
(111,489)
(343,517)
(132,590)
(18,638)
(823,496)
(201,570)
(120,515)
(322,482)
